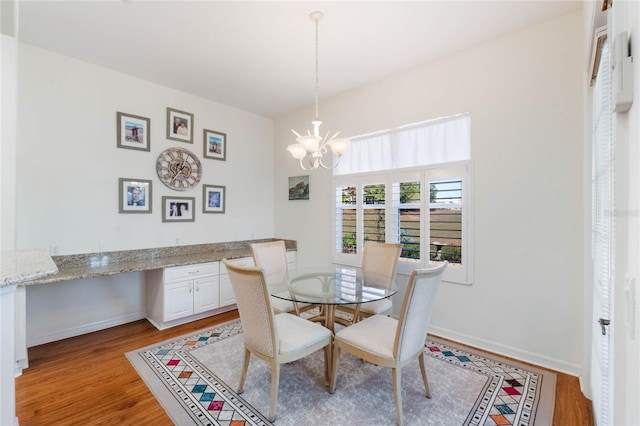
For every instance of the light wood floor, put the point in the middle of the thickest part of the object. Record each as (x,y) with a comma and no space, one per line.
(87,380)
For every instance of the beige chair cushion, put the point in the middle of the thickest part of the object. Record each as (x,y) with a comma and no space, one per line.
(359,334)
(298,334)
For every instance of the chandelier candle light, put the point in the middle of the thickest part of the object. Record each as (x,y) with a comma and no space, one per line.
(313,145)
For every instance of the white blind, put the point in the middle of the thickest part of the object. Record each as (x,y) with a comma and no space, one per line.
(436,141)
(603,232)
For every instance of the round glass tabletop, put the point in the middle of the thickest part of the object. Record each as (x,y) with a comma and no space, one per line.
(335,285)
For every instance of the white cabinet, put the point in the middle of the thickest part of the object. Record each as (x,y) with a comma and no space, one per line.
(181,294)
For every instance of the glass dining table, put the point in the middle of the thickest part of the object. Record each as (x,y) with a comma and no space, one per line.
(329,287)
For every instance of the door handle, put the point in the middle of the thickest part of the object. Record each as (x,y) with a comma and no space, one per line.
(603,323)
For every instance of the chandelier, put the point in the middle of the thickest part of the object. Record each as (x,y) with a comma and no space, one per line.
(313,147)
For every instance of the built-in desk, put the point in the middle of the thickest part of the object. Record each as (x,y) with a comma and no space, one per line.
(94,291)
(79,266)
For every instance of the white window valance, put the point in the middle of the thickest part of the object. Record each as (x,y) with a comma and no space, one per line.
(441,140)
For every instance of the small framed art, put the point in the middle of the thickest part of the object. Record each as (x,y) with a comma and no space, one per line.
(179,125)
(215,145)
(213,198)
(134,195)
(178,209)
(299,187)
(133,132)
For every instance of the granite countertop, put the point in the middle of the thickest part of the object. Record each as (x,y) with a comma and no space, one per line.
(17,267)
(78,266)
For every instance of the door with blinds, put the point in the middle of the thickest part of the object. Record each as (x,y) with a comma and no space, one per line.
(603,238)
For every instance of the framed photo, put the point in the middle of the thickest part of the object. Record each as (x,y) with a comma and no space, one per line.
(133,132)
(299,187)
(215,145)
(178,209)
(134,195)
(213,198)
(179,125)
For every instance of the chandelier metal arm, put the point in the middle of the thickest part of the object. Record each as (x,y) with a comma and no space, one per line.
(303,167)
(335,163)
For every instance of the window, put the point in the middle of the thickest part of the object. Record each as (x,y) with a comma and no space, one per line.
(445,219)
(346,220)
(373,210)
(418,193)
(428,210)
(406,218)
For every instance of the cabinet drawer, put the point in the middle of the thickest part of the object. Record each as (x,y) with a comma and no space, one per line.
(244,262)
(177,273)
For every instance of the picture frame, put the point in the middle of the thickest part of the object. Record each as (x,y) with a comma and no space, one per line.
(134,195)
(179,125)
(299,188)
(213,198)
(133,132)
(178,209)
(214,145)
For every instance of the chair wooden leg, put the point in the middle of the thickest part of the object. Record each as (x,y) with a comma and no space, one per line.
(423,370)
(327,365)
(275,382)
(245,367)
(334,368)
(356,314)
(397,389)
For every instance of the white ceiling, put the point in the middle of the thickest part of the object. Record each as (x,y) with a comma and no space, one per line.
(259,56)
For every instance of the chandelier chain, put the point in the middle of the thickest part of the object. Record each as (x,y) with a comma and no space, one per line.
(317,85)
(312,147)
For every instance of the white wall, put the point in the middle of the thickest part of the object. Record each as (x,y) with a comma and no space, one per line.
(525,96)
(69,164)
(67,171)
(8,94)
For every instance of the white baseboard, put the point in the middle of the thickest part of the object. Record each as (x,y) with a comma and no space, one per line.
(169,324)
(584,389)
(509,351)
(83,329)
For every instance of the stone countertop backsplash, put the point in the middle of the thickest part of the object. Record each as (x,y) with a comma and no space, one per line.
(78,266)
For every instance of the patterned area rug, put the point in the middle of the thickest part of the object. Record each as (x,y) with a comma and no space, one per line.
(194,378)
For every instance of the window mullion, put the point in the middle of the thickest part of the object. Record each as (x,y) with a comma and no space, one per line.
(425,234)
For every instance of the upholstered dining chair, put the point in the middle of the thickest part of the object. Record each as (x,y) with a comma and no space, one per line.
(390,342)
(380,258)
(275,338)
(271,257)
